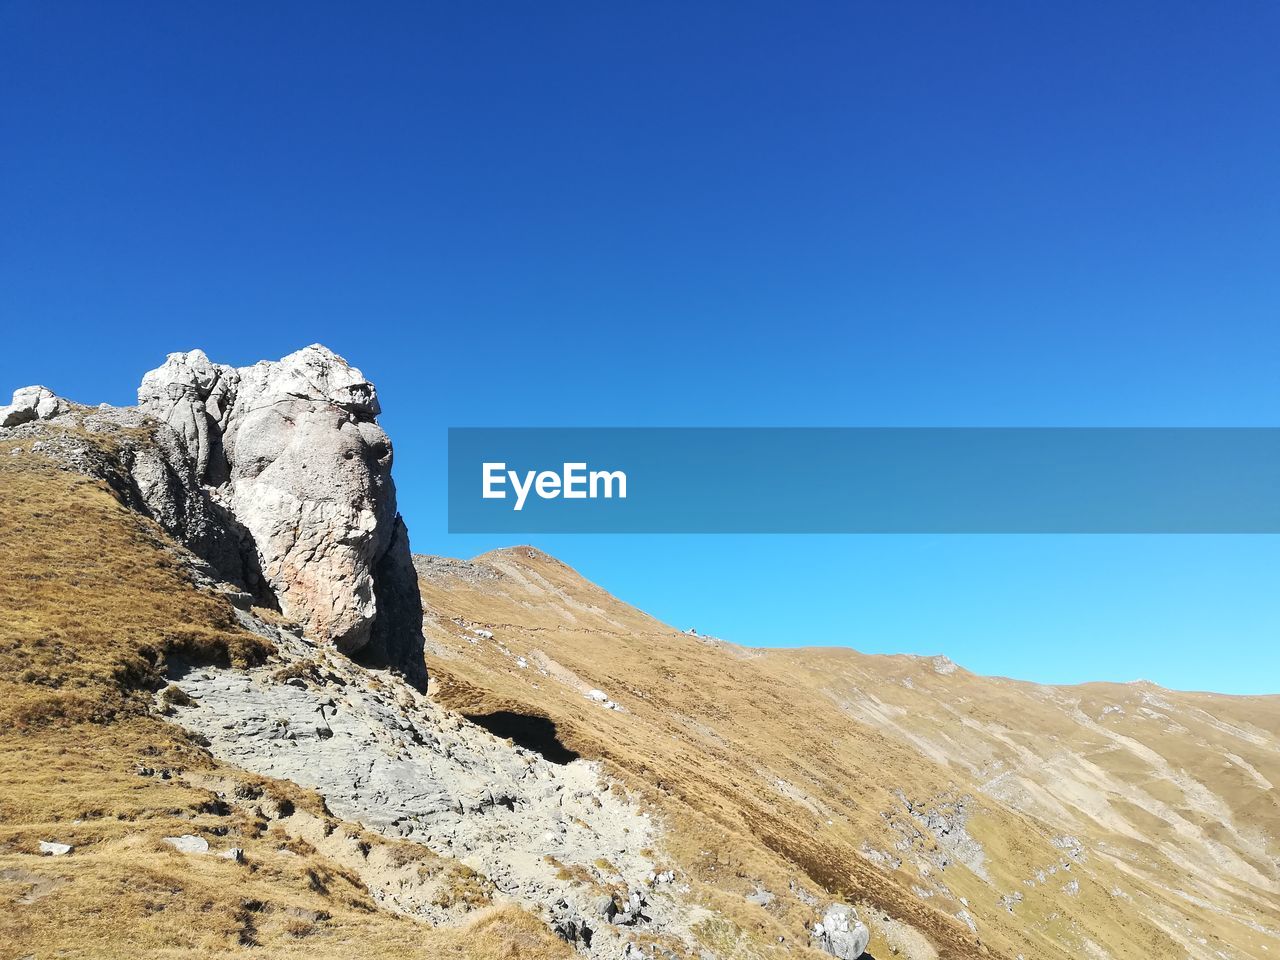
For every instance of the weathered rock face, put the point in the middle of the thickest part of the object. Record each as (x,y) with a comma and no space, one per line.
(193,396)
(32,403)
(292,450)
(278,476)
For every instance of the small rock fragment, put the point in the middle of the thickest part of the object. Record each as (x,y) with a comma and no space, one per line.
(761,897)
(188,843)
(605,907)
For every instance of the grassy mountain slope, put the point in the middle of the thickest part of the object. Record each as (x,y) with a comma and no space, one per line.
(93,599)
(1172,794)
(967,816)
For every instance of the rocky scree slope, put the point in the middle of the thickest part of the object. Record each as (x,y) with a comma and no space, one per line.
(552,837)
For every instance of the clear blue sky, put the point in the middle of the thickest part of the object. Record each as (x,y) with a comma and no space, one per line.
(706,214)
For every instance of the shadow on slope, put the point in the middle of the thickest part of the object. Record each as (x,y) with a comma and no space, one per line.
(528,731)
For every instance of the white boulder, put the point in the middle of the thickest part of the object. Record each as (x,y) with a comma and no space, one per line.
(841,933)
(32,403)
(188,843)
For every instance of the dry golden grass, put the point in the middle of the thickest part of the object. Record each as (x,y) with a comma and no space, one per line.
(698,726)
(774,766)
(92,605)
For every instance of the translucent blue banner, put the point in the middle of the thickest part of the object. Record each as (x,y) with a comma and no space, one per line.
(864,480)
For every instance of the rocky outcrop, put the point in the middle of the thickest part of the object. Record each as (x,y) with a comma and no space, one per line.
(841,933)
(148,469)
(276,475)
(193,396)
(293,451)
(32,403)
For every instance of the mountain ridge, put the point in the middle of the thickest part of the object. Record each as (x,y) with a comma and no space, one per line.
(503,595)
(198,758)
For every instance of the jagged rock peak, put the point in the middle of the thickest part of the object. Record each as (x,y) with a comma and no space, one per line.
(192,393)
(292,449)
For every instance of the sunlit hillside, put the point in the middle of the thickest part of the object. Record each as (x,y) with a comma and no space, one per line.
(987,816)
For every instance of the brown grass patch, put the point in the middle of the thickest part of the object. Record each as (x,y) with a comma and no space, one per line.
(94,603)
